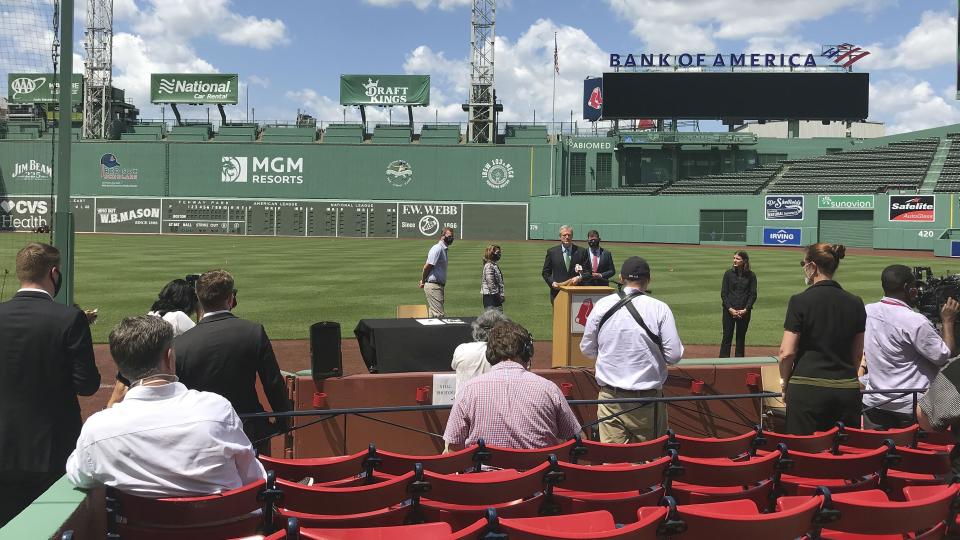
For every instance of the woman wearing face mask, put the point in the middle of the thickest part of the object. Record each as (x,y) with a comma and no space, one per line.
(738,292)
(491,284)
(822,347)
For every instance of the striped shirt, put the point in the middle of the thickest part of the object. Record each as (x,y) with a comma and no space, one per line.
(510,407)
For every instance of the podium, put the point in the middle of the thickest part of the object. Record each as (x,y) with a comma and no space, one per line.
(571,308)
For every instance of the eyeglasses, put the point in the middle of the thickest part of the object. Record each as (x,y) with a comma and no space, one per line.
(566,235)
(803,263)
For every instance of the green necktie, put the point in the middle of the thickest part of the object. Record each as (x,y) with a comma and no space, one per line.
(566,259)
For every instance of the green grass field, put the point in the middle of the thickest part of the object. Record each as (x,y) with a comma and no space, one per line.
(289,283)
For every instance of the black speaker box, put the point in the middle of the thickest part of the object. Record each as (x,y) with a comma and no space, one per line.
(325,357)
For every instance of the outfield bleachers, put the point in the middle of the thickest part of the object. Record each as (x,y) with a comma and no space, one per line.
(440,134)
(747,182)
(147,131)
(289,134)
(190,133)
(343,134)
(237,133)
(843,481)
(391,134)
(896,166)
(949,180)
(642,189)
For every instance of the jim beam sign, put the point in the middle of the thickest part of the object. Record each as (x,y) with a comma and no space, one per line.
(426,220)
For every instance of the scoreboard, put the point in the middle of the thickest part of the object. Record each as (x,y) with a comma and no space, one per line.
(268,217)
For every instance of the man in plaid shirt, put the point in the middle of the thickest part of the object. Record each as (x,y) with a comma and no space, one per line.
(509,406)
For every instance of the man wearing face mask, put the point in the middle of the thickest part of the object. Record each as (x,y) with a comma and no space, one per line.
(596,261)
(46,360)
(902,348)
(434,276)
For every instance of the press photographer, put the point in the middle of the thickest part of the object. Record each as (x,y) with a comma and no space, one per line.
(902,348)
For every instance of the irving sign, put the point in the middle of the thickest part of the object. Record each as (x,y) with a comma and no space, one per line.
(385,90)
(194,88)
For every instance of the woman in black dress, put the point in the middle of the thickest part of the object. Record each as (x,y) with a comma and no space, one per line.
(738,294)
(822,346)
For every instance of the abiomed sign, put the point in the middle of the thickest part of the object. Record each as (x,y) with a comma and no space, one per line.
(40,88)
(385,90)
(845,202)
(194,88)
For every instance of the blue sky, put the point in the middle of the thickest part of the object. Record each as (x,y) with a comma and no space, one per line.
(291,52)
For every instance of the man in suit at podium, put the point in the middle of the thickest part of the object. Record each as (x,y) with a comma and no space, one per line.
(46,360)
(224,354)
(597,261)
(561,262)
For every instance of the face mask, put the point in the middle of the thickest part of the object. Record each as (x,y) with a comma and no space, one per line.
(448,240)
(495,256)
(57,283)
(594,242)
(807,278)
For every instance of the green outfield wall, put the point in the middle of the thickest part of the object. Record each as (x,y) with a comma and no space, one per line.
(411,190)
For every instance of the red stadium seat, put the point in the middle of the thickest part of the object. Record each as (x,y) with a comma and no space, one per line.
(348,500)
(741,519)
(460,516)
(229,514)
(709,447)
(623,506)
(402,532)
(523,459)
(818,442)
(712,480)
(869,438)
(324,470)
(486,488)
(599,453)
(872,513)
(396,464)
(840,473)
(590,525)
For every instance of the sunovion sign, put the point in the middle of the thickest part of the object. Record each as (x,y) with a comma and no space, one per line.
(789,207)
(197,88)
(773,236)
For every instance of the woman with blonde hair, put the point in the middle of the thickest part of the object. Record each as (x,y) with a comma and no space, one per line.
(822,346)
(491,284)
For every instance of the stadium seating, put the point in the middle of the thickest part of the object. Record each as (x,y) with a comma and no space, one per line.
(237,133)
(391,134)
(440,134)
(949,180)
(190,133)
(343,134)
(525,134)
(675,486)
(147,131)
(750,181)
(899,165)
(289,134)
(228,514)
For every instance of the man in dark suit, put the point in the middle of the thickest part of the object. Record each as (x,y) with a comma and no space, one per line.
(224,354)
(46,359)
(561,261)
(597,261)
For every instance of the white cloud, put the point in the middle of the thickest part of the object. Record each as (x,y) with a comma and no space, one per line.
(262,82)
(422,4)
(908,105)
(186,19)
(685,25)
(523,80)
(931,43)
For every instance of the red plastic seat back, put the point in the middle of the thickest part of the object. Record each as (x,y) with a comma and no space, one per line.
(485,487)
(818,442)
(613,478)
(598,453)
(716,448)
(844,466)
(397,464)
(869,438)
(865,513)
(188,510)
(403,532)
(725,472)
(347,500)
(741,519)
(320,469)
(523,459)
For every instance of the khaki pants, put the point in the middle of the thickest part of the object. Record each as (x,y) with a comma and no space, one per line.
(434,293)
(640,424)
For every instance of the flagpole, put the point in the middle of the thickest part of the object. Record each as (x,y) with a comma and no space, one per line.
(556,68)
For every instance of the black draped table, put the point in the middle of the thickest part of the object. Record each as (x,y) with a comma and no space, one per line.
(402,345)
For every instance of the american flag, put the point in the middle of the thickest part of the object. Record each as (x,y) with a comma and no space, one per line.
(556,58)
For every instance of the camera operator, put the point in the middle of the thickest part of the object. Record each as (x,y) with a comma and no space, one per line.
(902,348)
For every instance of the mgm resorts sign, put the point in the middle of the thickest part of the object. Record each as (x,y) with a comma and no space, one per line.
(220,88)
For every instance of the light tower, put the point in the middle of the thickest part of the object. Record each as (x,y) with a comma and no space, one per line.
(98,44)
(481,103)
